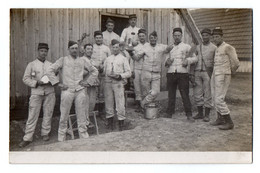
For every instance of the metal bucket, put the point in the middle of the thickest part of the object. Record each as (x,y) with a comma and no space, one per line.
(151,111)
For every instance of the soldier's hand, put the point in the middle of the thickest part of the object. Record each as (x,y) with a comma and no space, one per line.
(169,48)
(168,62)
(117,77)
(63,87)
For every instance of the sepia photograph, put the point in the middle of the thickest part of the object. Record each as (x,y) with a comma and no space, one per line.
(131,85)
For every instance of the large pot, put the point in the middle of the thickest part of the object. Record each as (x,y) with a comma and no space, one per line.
(151,111)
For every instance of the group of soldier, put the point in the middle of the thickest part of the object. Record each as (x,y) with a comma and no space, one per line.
(91,71)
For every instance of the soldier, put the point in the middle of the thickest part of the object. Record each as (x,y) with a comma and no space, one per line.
(73,88)
(152,55)
(203,72)
(117,70)
(129,34)
(138,64)
(42,93)
(109,34)
(91,91)
(100,53)
(225,64)
(177,74)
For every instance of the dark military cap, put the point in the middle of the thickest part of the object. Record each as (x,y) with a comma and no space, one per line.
(97,33)
(206,30)
(154,33)
(43,46)
(114,41)
(177,30)
(141,31)
(217,31)
(71,43)
(132,16)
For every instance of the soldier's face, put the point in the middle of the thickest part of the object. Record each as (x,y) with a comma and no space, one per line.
(217,39)
(89,51)
(99,39)
(116,49)
(205,37)
(142,37)
(110,27)
(132,22)
(73,50)
(177,36)
(153,40)
(42,53)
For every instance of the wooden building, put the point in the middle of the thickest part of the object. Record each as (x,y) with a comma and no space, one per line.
(28,27)
(237,25)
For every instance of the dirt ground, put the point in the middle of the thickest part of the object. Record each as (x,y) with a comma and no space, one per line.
(160,134)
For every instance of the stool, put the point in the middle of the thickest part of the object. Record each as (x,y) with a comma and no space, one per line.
(127,93)
(71,130)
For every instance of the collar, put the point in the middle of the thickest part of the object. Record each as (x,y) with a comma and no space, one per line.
(41,60)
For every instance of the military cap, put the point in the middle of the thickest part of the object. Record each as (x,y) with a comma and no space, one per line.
(114,41)
(141,31)
(132,16)
(177,30)
(97,33)
(154,33)
(71,43)
(206,30)
(217,31)
(110,21)
(43,46)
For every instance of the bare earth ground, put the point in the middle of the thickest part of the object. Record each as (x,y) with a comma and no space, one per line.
(161,134)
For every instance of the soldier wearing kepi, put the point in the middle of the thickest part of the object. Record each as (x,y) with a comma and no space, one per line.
(152,55)
(177,74)
(225,63)
(129,35)
(117,70)
(91,91)
(138,64)
(203,73)
(100,53)
(73,88)
(109,34)
(41,93)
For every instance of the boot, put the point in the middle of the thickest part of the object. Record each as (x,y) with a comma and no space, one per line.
(121,125)
(200,113)
(110,123)
(24,144)
(228,123)
(207,111)
(219,121)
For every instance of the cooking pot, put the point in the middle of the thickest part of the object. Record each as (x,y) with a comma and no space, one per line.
(151,111)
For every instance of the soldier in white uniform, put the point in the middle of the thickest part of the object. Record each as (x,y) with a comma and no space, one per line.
(117,70)
(42,93)
(73,88)
(129,34)
(138,64)
(109,34)
(100,53)
(203,73)
(225,63)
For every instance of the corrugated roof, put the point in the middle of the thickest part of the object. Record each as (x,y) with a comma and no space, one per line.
(236,25)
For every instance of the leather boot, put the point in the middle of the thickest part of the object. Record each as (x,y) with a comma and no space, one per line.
(207,111)
(228,123)
(110,123)
(200,113)
(121,125)
(219,121)
(138,106)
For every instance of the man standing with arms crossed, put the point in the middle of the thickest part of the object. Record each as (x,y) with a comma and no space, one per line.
(225,64)
(203,73)
(73,88)
(41,93)
(178,75)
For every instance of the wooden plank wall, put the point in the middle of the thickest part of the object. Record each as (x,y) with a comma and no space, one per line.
(57,26)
